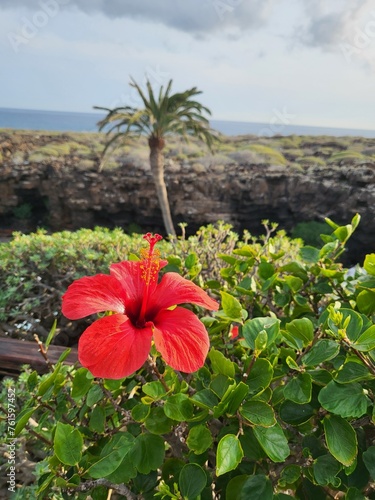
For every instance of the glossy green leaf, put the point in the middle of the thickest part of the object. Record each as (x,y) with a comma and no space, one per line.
(235,486)
(199,439)
(366,302)
(366,341)
(299,388)
(295,414)
(258,413)
(252,327)
(140,412)
(354,323)
(154,389)
(369,460)
(231,306)
(325,471)
(309,254)
(22,419)
(97,419)
(111,456)
(94,395)
(81,384)
(221,364)
(273,442)
(341,439)
(300,330)
(260,376)
(369,264)
(192,481)
(179,407)
(68,443)
(323,350)
(257,487)
(229,454)
(346,400)
(157,422)
(293,282)
(148,452)
(352,372)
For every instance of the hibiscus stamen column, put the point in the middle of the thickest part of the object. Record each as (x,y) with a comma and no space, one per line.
(150,266)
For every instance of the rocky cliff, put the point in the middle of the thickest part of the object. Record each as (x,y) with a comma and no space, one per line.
(67,191)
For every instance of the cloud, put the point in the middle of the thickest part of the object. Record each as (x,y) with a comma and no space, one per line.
(198,17)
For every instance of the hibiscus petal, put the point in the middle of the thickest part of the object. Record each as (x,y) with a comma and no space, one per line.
(181,339)
(129,274)
(113,348)
(93,294)
(174,289)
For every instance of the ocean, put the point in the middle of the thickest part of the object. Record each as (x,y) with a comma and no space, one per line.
(66,121)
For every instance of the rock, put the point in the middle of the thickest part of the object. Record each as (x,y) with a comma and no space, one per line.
(63,196)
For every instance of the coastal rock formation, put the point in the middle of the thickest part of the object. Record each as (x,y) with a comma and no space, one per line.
(69,193)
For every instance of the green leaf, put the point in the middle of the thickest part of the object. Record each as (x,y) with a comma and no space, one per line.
(352,371)
(252,327)
(293,283)
(260,376)
(299,389)
(220,364)
(154,389)
(257,487)
(22,419)
(48,381)
(295,414)
(81,384)
(258,413)
(112,455)
(140,412)
(354,326)
(341,439)
(366,341)
(346,400)
(369,264)
(205,399)
(366,302)
(199,439)
(192,481)
(51,334)
(229,454)
(299,333)
(326,469)
(68,444)
(266,270)
(179,407)
(94,395)
(231,306)
(369,460)
(148,452)
(97,419)
(191,260)
(157,422)
(234,487)
(273,442)
(323,350)
(309,254)
(289,475)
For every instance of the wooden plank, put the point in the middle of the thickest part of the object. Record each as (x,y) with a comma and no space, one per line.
(14,353)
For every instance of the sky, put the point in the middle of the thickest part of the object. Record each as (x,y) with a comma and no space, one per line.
(294,62)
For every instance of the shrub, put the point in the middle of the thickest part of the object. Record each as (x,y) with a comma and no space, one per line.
(309,232)
(282,408)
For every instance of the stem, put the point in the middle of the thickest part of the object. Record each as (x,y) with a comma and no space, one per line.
(119,488)
(152,364)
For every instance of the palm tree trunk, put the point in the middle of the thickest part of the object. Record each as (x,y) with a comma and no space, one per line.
(157,169)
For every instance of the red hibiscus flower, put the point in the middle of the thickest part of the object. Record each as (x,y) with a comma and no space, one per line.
(118,344)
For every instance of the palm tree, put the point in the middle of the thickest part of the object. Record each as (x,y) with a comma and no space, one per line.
(165,115)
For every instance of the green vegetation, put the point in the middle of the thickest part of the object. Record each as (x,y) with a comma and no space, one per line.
(283,410)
